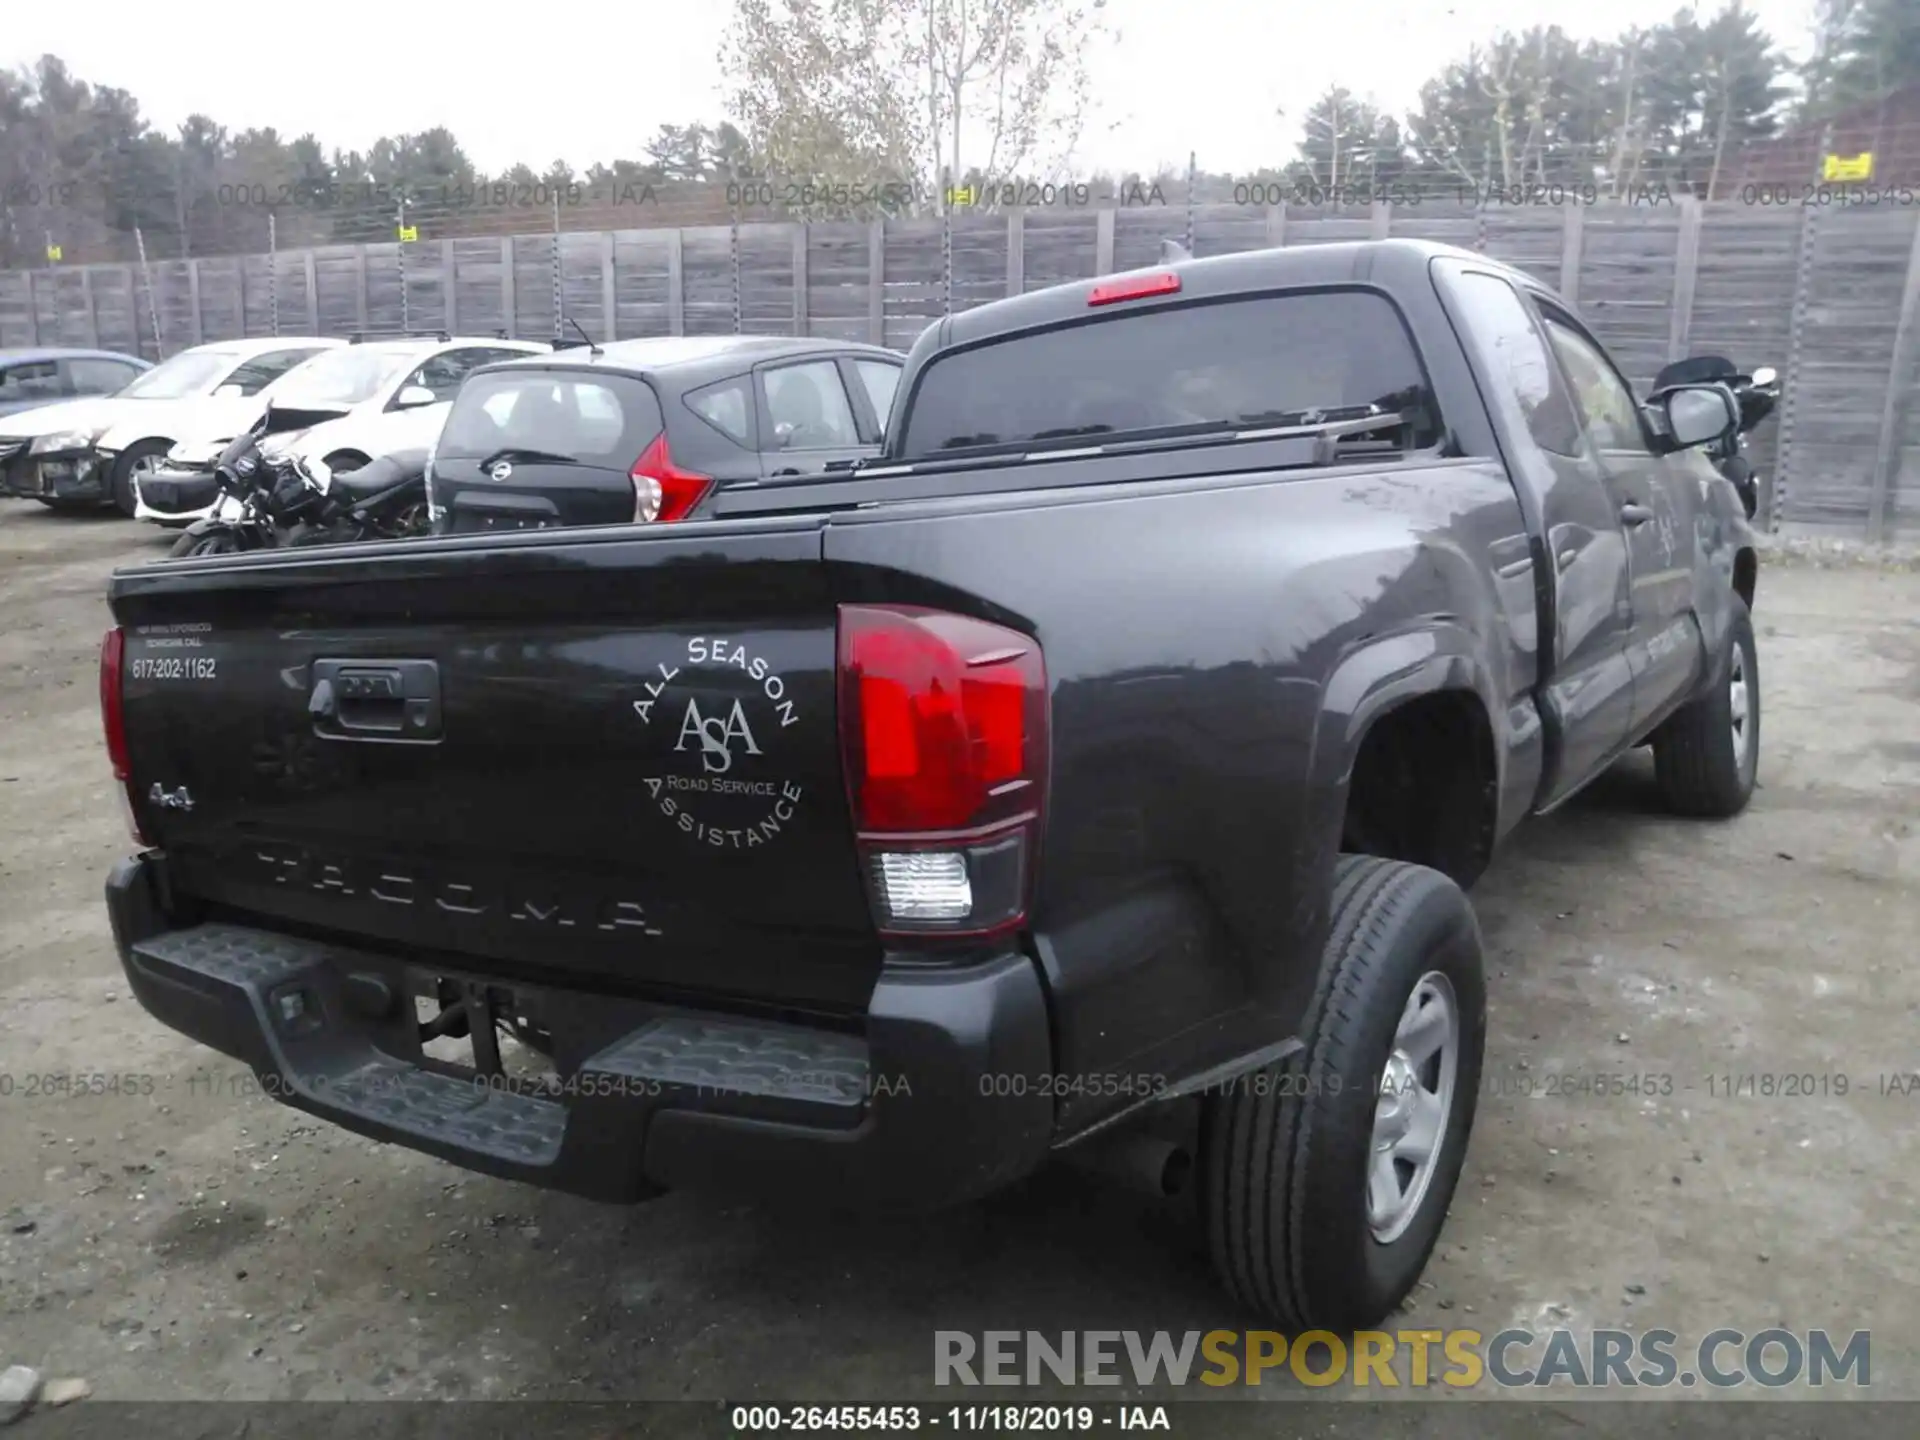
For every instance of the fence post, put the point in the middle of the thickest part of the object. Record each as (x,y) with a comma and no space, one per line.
(1016,251)
(1277,226)
(801,321)
(1193,174)
(733,265)
(1686,269)
(559,279)
(1380,222)
(449,287)
(360,288)
(93,308)
(1893,413)
(193,302)
(153,305)
(313,292)
(946,258)
(400,258)
(877,282)
(508,302)
(609,290)
(33,309)
(273,273)
(1103,242)
(240,284)
(1774,502)
(1572,230)
(676,283)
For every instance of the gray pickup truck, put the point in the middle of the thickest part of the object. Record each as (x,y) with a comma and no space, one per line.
(1096,773)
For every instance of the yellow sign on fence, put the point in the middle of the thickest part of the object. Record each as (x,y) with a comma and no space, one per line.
(1847,167)
(54,252)
(408,232)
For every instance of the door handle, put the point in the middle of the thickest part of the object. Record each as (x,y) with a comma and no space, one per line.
(1632,514)
(375,699)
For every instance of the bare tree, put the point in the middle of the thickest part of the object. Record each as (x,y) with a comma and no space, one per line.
(856,90)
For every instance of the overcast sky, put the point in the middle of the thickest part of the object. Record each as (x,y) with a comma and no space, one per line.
(1205,75)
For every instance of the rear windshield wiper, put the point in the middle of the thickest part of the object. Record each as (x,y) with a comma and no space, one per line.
(535,457)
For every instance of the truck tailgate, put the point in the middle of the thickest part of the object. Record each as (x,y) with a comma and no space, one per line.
(612,758)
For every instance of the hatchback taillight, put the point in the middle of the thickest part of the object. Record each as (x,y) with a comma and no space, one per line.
(113,650)
(944,733)
(662,491)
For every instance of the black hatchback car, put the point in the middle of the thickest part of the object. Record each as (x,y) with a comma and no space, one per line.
(652,430)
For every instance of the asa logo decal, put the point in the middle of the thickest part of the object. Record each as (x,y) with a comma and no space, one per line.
(723,803)
(715,735)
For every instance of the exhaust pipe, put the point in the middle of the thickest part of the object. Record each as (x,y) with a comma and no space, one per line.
(1142,1163)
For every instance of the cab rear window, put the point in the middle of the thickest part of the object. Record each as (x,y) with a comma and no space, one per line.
(596,419)
(1260,361)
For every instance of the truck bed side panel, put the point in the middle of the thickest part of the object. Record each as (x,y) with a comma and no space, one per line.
(1190,630)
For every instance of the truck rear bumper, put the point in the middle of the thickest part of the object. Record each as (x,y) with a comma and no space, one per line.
(914,1111)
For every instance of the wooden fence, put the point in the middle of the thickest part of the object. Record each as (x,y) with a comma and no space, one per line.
(1826,295)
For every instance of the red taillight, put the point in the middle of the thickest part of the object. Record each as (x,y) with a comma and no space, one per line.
(944,728)
(1134,288)
(113,649)
(662,491)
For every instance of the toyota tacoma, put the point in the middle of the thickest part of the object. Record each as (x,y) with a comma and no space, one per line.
(1099,770)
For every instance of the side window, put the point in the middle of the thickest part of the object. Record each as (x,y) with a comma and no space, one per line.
(100,377)
(728,407)
(807,407)
(263,370)
(37,380)
(881,380)
(443,373)
(1604,399)
(1513,349)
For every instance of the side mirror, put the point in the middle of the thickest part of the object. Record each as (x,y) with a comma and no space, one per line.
(229,392)
(783,434)
(412,397)
(1766,375)
(1699,415)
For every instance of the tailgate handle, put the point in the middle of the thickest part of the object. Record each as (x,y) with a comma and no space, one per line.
(375,700)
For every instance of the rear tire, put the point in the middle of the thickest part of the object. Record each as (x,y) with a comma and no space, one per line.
(1706,756)
(1300,1223)
(215,544)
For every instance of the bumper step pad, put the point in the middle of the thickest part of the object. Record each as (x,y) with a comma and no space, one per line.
(339,1072)
(520,1129)
(743,1058)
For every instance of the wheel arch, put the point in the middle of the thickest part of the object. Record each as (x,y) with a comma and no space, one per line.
(1416,755)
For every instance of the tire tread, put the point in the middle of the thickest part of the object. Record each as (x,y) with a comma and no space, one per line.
(1259,1144)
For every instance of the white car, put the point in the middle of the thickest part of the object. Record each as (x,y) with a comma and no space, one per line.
(82,453)
(352,405)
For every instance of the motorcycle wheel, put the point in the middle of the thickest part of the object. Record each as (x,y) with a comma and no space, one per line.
(218,542)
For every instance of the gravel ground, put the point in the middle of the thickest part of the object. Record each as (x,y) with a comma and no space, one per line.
(204,1243)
